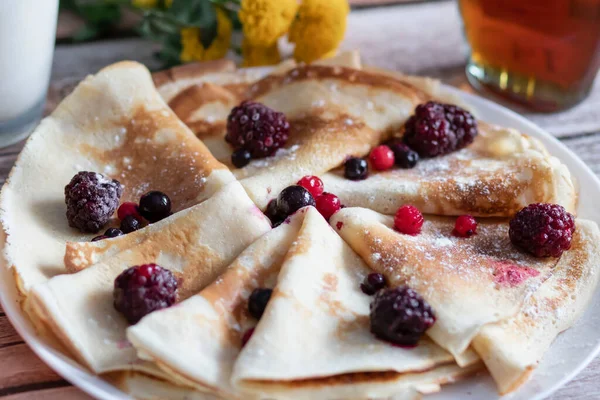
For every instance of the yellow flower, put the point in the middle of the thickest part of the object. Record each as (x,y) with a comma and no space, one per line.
(193,50)
(256,56)
(145,3)
(318,28)
(264,21)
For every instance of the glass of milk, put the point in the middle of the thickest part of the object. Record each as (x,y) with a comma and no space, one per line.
(27,35)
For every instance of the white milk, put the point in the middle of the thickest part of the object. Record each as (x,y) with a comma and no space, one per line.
(27,33)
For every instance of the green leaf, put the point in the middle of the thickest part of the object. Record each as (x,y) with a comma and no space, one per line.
(209,25)
(98,13)
(197,13)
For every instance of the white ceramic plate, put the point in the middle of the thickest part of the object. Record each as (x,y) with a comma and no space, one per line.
(571,352)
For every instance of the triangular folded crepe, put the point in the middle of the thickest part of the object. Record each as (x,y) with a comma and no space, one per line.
(468,282)
(203,94)
(334,112)
(196,245)
(197,342)
(314,342)
(511,349)
(114,123)
(501,172)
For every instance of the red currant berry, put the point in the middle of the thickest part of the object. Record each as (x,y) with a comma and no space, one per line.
(247,335)
(382,158)
(328,204)
(128,208)
(465,226)
(313,184)
(408,220)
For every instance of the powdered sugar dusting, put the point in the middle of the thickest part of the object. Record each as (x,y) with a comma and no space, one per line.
(280,154)
(438,264)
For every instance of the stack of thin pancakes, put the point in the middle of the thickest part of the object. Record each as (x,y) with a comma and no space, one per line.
(313,340)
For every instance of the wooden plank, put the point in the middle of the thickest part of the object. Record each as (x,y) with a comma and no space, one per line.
(60,393)
(587,147)
(8,156)
(20,367)
(8,335)
(79,60)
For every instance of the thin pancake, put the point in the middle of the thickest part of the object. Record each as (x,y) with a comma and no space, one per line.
(203,94)
(334,112)
(500,173)
(113,123)
(313,340)
(511,349)
(196,246)
(197,342)
(468,282)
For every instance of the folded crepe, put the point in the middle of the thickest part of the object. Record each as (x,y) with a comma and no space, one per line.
(334,112)
(203,94)
(196,245)
(313,340)
(337,110)
(469,282)
(114,123)
(511,349)
(197,342)
(501,172)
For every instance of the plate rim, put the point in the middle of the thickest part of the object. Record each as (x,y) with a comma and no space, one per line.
(93,385)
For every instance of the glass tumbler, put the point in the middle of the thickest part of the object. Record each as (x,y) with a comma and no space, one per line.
(27,35)
(543,54)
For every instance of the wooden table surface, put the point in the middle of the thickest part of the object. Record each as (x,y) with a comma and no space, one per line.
(23,376)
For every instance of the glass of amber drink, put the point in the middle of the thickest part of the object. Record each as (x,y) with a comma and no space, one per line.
(544,54)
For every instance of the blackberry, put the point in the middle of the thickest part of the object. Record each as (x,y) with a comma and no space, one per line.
(91,200)
(428,131)
(462,123)
(257,128)
(142,289)
(544,230)
(400,315)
